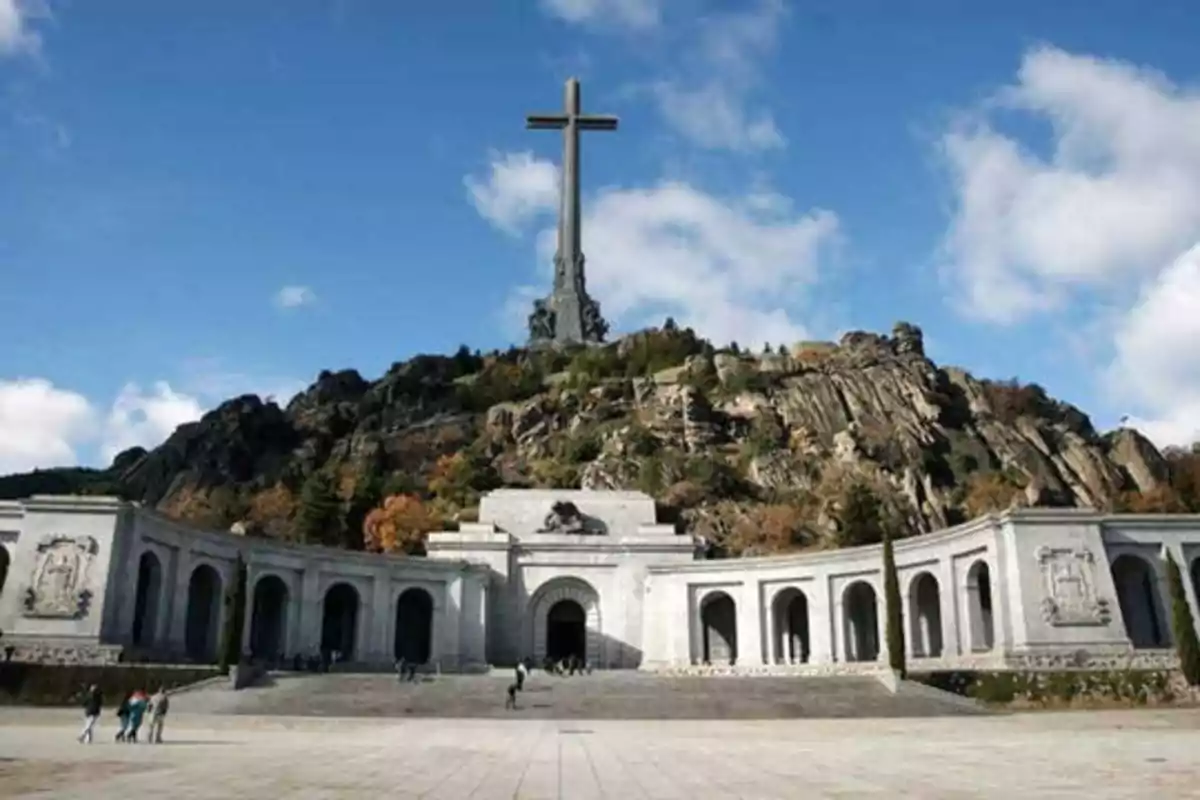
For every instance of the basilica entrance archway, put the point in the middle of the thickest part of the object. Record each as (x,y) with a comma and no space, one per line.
(565,617)
(566,631)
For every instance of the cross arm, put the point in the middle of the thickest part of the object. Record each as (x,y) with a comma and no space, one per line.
(597,122)
(545,121)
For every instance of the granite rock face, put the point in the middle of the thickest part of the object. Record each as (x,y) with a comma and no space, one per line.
(714,427)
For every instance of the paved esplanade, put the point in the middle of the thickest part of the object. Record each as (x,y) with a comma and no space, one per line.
(569,315)
(1093,755)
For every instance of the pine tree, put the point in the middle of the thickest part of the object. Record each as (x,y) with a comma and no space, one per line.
(319,518)
(1183,625)
(895,613)
(235,617)
(860,517)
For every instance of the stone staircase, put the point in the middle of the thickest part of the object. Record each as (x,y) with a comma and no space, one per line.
(602,695)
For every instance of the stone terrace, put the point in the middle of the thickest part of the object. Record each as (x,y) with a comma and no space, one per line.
(602,695)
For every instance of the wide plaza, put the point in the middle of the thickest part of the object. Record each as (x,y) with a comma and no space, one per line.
(1117,754)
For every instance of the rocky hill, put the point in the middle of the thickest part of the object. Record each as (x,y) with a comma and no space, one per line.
(756,453)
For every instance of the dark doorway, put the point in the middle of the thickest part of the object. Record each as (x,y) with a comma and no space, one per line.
(862,622)
(566,631)
(339,620)
(414,626)
(268,619)
(1137,596)
(145,607)
(718,615)
(4,559)
(203,614)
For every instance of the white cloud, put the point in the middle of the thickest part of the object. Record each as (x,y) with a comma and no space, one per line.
(1117,197)
(145,418)
(16,38)
(729,267)
(295,297)
(518,187)
(635,14)
(1157,365)
(40,424)
(1102,216)
(709,102)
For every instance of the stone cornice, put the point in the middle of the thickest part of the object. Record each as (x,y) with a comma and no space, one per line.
(73,504)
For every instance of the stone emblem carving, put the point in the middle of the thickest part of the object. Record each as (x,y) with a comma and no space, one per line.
(59,586)
(1069,583)
(564,517)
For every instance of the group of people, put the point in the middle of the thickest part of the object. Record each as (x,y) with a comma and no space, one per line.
(570,665)
(130,714)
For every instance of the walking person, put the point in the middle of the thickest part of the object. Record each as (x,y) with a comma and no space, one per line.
(521,672)
(123,717)
(159,705)
(92,702)
(137,709)
(511,702)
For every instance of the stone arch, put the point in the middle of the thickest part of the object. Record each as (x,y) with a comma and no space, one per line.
(414,626)
(5,560)
(718,621)
(339,620)
(860,609)
(203,613)
(147,599)
(925,614)
(790,611)
(269,617)
(547,598)
(1141,605)
(981,627)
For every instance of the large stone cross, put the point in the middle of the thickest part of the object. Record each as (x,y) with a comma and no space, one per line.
(569,315)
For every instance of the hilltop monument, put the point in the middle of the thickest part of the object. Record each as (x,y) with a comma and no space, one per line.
(569,315)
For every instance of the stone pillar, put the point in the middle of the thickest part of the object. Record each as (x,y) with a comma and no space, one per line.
(749,623)
(449,642)
(309,616)
(380,646)
(949,606)
(1189,589)
(822,619)
(177,639)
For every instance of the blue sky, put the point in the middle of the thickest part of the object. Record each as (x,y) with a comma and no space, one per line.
(202,199)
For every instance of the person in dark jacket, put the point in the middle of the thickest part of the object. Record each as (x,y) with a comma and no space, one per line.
(123,718)
(93,701)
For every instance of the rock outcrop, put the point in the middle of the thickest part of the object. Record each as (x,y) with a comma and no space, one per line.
(704,431)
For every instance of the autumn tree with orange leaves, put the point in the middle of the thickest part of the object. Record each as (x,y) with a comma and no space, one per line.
(399,525)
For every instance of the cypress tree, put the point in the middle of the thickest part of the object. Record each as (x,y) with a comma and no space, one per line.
(895,613)
(1183,625)
(235,617)
(320,516)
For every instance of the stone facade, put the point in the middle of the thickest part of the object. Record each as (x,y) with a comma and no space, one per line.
(554,573)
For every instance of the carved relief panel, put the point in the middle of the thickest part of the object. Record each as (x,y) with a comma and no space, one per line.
(1069,586)
(59,584)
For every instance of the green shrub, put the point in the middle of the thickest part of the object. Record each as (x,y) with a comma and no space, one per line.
(235,617)
(1183,626)
(895,614)
(63,685)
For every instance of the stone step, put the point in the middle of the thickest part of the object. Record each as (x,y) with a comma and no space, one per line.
(602,695)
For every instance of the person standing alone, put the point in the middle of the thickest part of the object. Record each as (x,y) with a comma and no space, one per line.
(159,705)
(92,703)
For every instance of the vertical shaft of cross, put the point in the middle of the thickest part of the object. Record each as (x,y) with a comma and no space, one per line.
(570,244)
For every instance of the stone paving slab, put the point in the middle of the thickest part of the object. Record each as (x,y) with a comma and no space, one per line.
(1130,754)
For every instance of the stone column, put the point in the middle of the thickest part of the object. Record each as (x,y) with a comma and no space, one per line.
(823,614)
(449,643)
(772,629)
(309,616)
(1189,589)
(381,646)
(177,639)
(749,623)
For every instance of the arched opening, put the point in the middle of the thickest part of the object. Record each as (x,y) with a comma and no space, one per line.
(4,561)
(203,614)
(146,599)
(268,618)
(339,621)
(862,622)
(925,604)
(791,627)
(979,607)
(1138,597)
(566,631)
(718,616)
(414,626)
